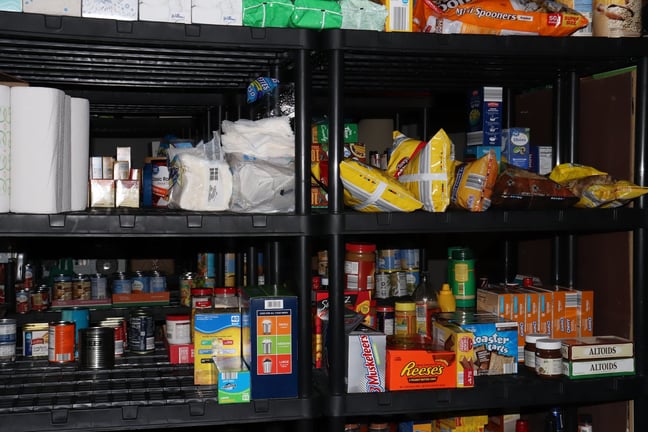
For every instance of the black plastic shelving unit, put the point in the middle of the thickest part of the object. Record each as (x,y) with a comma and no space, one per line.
(194,69)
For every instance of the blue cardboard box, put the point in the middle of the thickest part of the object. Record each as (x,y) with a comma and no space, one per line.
(270,329)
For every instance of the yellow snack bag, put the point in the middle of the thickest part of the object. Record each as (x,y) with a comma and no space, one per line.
(473,184)
(428,174)
(570,171)
(369,189)
(403,150)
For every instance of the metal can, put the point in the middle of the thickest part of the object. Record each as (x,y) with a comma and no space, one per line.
(121,284)
(62,288)
(388,260)
(23,301)
(141,333)
(7,340)
(555,420)
(409,259)
(124,329)
(230,269)
(96,348)
(178,329)
(61,341)
(81,287)
(187,282)
(383,285)
(157,281)
(398,283)
(141,282)
(35,340)
(98,286)
(119,336)
(206,265)
(40,299)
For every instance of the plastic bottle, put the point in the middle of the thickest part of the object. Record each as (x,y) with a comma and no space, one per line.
(425,297)
(446,299)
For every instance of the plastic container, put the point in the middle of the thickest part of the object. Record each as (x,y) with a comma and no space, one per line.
(548,359)
(225,298)
(360,267)
(446,299)
(404,318)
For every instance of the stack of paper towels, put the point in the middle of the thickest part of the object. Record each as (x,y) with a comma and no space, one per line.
(44,150)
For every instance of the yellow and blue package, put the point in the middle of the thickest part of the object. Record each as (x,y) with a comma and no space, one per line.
(472,187)
(428,174)
(261,87)
(369,189)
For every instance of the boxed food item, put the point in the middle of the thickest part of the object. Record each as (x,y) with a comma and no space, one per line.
(53,7)
(125,10)
(596,347)
(233,380)
(176,11)
(485,111)
(366,361)
(516,143)
(460,342)
(216,334)
(269,343)
(598,368)
(416,369)
(11,5)
(399,15)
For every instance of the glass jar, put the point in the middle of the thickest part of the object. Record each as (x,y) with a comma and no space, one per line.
(548,359)
(225,298)
(530,349)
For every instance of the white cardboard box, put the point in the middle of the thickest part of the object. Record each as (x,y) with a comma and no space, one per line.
(175,11)
(222,12)
(53,7)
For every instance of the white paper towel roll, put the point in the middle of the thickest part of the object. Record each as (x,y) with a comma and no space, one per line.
(37,132)
(5,148)
(80,145)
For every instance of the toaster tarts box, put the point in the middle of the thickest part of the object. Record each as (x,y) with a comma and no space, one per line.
(270,330)
(215,335)
(366,361)
(419,365)
(495,339)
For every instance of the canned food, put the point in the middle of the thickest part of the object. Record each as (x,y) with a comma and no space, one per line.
(96,348)
(398,283)
(62,288)
(7,330)
(178,329)
(7,352)
(119,336)
(383,285)
(40,299)
(124,330)
(206,265)
(35,340)
(230,269)
(98,287)
(388,260)
(23,301)
(61,341)
(157,281)
(81,287)
(409,259)
(121,284)
(141,333)
(141,282)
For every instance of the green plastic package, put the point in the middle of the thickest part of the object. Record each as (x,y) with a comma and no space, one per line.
(316,14)
(267,13)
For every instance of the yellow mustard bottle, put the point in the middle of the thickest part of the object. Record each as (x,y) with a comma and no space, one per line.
(446,299)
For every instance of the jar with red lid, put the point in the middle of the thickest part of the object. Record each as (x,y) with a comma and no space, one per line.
(201,298)
(360,267)
(225,298)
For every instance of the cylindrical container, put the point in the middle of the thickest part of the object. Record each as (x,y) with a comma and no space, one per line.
(385,319)
(206,265)
(409,259)
(360,267)
(186,284)
(398,283)
(97,348)
(225,298)
(23,301)
(230,269)
(35,340)
(61,341)
(388,260)
(404,318)
(178,329)
(383,285)
(521,425)
(530,349)
(157,281)
(555,420)
(141,333)
(463,282)
(140,282)
(121,284)
(81,287)
(616,18)
(119,335)
(379,427)
(7,340)
(412,279)
(201,298)
(81,318)
(124,332)
(40,299)
(62,288)
(98,287)
(548,359)
(28,276)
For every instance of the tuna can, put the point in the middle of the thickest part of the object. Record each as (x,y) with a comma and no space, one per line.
(412,279)
(35,340)
(121,284)
(118,337)
(96,348)
(409,259)
(40,299)
(62,288)
(388,260)
(141,282)
(98,287)
(23,301)
(141,333)
(81,287)
(187,282)
(61,341)
(157,282)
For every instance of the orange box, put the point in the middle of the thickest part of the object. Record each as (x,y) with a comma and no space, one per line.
(415,369)
(586,317)
(141,299)
(454,338)
(545,310)
(518,314)
(496,300)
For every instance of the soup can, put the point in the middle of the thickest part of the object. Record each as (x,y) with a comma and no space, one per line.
(121,284)
(157,281)
(141,333)
(118,337)
(35,340)
(140,282)
(98,286)
(61,341)
(23,301)
(96,348)
(62,288)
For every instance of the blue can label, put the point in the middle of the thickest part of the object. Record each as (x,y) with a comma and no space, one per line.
(122,286)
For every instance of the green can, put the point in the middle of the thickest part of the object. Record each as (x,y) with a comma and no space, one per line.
(462,277)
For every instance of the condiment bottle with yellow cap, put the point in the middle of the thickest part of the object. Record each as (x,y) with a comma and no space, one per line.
(446,299)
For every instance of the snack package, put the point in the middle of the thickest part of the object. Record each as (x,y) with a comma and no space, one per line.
(519,189)
(261,87)
(427,175)
(500,17)
(369,189)
(403,150)
(473,183)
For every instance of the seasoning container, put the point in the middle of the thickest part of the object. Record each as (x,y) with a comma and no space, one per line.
(404,318)
(360,267)
(225,298)
(548,359)
(530,349)
(462,279)
(201,298)
(385,319)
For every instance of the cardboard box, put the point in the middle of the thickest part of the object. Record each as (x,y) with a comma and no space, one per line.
(11,5)
(53,7)
(180,353)
(270,332)
(141,299)
(219,13)
(460,341)
(586,313)
(485,111)
(102,193)
(417,369)
(366,361)
(596,347)
(502,423)
(176,11)
(233,380)
(496,300)
(598,368)
(518,314)
(399,15)
(216,334)
(541,159)
(125,10)
(320,134)
(127,193)
(516,143)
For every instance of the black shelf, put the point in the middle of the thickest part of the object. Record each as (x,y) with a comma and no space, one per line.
(141,392)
